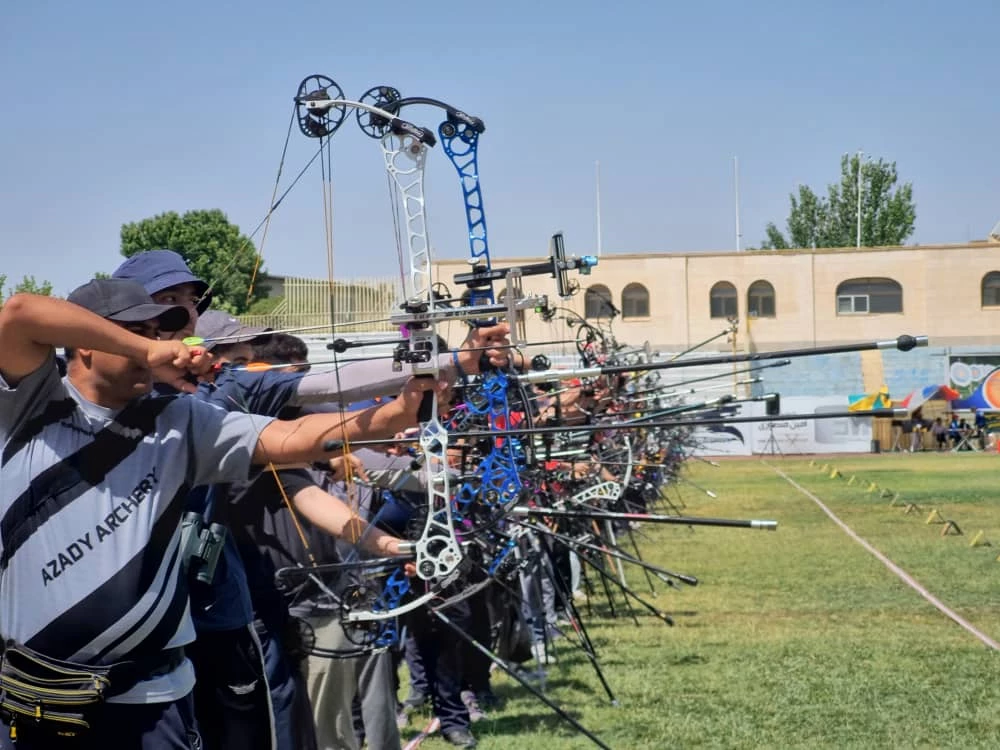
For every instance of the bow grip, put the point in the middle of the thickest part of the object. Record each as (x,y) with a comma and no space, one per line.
(426,411)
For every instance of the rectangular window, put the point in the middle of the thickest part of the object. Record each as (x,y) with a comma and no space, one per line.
(724,307)
(635,308)
(852,304)
(762,307)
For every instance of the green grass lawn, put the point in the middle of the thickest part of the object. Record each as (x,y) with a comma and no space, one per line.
(797,638)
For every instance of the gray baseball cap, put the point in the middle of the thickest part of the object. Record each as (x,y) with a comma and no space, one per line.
(218,327)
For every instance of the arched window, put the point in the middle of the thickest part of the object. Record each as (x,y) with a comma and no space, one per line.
(862,296)
(722,300)
(635,301)
(991,289)
(760,300)
(597,302)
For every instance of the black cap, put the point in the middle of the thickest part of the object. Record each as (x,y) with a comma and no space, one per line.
(125,301)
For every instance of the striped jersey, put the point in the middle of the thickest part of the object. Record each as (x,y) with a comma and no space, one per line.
(91,501)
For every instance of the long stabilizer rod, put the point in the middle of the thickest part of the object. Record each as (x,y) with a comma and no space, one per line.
(903,343)
(607,515)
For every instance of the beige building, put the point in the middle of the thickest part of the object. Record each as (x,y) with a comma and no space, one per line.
(785,298)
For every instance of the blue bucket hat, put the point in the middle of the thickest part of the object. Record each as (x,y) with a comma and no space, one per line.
(157,270)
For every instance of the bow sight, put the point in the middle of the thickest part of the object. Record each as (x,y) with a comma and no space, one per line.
(557,266)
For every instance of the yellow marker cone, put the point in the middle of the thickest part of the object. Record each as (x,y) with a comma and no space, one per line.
(936,517)
(851,480)
(834,474)
(951,528)
(979,540)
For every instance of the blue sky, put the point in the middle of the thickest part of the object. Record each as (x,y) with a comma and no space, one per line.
(116,111)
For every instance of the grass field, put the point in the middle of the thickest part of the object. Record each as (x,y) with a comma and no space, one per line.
(797,638)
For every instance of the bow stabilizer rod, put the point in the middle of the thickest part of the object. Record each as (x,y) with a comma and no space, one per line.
(903,343)
(607,515)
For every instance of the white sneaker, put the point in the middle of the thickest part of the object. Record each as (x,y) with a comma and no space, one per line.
(541,655)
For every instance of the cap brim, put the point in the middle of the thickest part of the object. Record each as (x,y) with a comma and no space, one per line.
(206,300)
(242,336)
(175,278)
(170,317)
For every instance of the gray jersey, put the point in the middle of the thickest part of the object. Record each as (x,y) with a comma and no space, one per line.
(90,507)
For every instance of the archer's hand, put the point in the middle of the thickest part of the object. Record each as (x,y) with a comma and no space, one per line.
(171,361)
(491,340)
(341,465)
(406,408)
(172,354)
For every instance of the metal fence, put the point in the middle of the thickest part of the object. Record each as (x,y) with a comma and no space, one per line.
(358,305)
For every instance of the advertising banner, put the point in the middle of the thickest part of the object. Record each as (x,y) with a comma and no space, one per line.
(791,436)
(727,439)
(976,377)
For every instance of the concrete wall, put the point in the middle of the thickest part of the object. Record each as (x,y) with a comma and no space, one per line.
(941,298)
(941,295)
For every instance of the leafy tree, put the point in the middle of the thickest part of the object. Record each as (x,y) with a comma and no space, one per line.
(213,248)
(101,275)
(888,213)
(28,285)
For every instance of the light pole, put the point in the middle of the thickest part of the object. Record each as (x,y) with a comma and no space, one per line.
(597,182)
(860,154)
(736,190)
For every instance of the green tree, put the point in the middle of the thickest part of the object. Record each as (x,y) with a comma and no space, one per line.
(213,248)
(888,212)
(28,284)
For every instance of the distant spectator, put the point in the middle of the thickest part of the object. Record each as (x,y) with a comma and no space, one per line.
(940,433)
(917,426)
(955,433)
(981,428)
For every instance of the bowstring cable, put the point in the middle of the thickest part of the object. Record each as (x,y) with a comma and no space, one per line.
(267,219)
(326,170)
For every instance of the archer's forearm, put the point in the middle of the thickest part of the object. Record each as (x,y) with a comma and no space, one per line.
(301,440)
(335,517)
(31,325)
